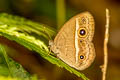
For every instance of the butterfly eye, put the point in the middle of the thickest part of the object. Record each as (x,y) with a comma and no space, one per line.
(82,32)
(81,57)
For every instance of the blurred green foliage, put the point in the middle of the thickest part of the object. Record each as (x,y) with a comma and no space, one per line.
(10,68)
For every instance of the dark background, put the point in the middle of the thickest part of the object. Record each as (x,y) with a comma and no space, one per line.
(45,12)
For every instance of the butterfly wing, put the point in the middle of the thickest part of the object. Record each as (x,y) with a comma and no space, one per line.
(64,43)
(65,46)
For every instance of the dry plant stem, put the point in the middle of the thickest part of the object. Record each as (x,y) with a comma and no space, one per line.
(104,67)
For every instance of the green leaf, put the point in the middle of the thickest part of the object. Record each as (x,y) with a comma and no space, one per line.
(23,25)
(15,69)
(7,78)
(18,29)
(10,78)
(4,71)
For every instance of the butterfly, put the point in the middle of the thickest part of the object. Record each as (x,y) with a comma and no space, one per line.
(73,43)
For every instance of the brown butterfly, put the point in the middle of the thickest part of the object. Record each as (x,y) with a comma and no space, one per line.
(73,43)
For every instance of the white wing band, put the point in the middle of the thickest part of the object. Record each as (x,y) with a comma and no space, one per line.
(76,39)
